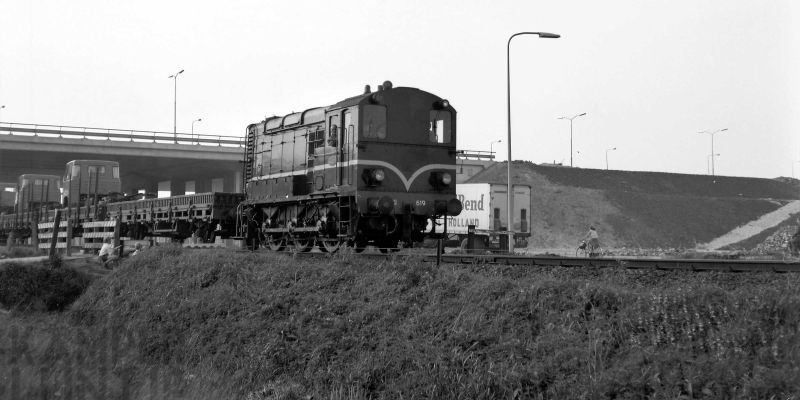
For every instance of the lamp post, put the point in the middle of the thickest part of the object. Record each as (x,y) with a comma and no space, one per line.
(1,109)
(708,162)
(570,134)
(509,192)
(712,146)
(197,120)
(491,153)
(175,109)
(607,150)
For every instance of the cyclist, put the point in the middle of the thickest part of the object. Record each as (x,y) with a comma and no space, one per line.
(593,241)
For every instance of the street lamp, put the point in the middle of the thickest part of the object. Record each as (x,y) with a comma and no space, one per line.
(1,109)
(607,150)
(509,192)
(175,110)
(197,120)
(708,162)
(491,153)
(570,134)
(712,146)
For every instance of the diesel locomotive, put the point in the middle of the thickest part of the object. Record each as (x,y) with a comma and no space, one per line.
(373,169)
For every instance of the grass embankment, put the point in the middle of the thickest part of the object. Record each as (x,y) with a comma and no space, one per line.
(637,209)
(203,324)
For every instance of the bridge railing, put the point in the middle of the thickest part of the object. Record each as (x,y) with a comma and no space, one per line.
(132,135)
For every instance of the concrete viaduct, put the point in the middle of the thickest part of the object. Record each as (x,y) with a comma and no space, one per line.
(150,161)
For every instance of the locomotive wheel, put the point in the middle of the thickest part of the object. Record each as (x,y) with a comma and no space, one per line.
(303,245)
(329,245)
(275,243)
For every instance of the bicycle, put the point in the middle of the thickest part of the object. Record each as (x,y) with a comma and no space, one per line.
(587,249)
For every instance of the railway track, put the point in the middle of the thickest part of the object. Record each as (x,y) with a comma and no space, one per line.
(719,265)
(626,262)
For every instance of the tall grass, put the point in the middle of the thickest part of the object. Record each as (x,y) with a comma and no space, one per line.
(19,251)
(39,287)
(256,326)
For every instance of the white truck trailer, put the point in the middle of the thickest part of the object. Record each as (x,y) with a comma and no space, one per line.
(485,206)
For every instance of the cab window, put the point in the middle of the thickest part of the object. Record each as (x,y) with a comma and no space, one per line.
(439,127)
(333,131)
(76,170)
(115,172)
(374,122)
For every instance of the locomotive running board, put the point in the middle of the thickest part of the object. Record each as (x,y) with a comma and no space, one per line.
(287,230)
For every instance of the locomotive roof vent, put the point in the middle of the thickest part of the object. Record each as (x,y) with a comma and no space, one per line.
(387,85)
(367,89)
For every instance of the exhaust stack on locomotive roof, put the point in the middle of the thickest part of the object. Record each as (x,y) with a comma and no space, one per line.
(387,85)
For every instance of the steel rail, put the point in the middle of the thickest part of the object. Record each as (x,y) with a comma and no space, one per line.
(633,263)
(722,265)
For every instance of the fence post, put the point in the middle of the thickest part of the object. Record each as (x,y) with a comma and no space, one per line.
(438,252)
(35,234)
(69,237)
(54,238)
(117,226)
(470,239)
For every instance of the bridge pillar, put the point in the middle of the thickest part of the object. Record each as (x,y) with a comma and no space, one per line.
(189,187)
(218,184)
(202,185)
(237,182)
(164,189)
(177,187)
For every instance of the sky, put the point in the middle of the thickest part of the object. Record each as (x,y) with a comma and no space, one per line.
(650,75)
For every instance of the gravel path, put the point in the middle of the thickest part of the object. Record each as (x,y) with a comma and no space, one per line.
(755,227)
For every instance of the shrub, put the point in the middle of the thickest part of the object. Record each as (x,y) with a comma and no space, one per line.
(19,252)
(38,288)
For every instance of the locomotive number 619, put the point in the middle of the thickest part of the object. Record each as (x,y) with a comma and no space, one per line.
(370,169)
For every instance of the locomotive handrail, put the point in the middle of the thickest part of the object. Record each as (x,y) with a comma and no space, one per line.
(63,131)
